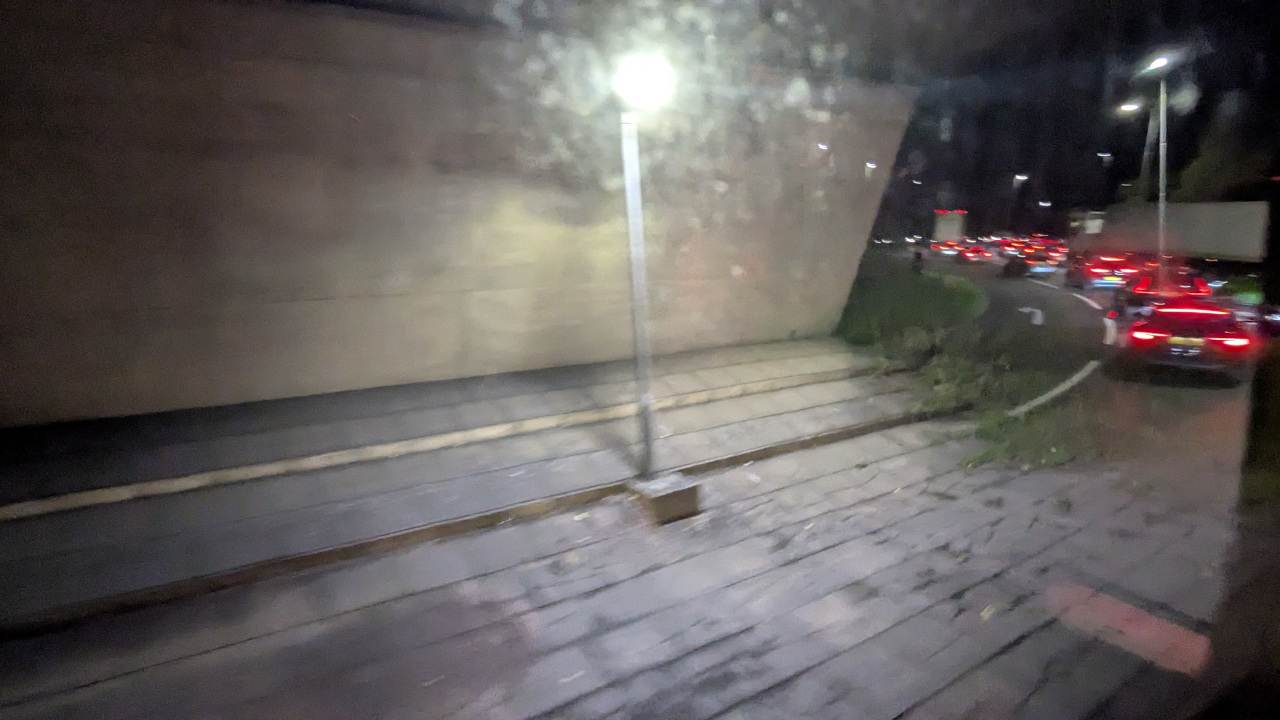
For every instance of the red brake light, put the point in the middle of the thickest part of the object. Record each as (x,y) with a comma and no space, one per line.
(1111,259)
(1235,342)
(1100,271)
(1202,288)
(1192,311)
(1144,287)
(1147,335)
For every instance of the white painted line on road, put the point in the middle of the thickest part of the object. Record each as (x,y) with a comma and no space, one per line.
(1088,301)
(1110,337)
(1049,285)
(1062,387)
(1037,315)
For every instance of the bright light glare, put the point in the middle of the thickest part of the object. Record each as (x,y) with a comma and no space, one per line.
(1158,63)
(871,166)
(645,82)
(1104,155)
(916,182)
(822,146)
(1130,107)
(1020,177)
(1045,203)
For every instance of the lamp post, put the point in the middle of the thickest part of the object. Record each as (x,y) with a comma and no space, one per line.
(1013,202)
(643,83)
(1159,66)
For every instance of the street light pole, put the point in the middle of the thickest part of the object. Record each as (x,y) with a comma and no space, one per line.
(1148,149)
(642,82)
(639,287)
(1017,185)
(1163,205)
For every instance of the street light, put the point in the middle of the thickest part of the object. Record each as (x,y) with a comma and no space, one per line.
(1131,107)
(1045,204)
(1160,65)
(1018,179)
(643,83)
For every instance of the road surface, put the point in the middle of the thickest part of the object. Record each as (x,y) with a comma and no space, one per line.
(1179,433)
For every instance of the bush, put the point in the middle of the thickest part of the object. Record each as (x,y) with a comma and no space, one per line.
(883,307)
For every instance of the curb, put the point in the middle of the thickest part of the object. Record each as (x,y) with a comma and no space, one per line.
(400,448)
(64,617)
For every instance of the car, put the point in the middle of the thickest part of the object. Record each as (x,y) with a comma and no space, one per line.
(1012,247)
(1030,262)
(946,247)
(1146,289)
(1191,334)
(1105,269)
(975,253)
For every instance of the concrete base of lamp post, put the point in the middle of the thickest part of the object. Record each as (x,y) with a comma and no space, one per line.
(668,498)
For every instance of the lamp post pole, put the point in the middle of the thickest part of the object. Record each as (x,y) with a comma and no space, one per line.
(1162,207)
(639,288)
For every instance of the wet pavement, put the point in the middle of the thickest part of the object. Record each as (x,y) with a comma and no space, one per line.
(869,578)
(865,579)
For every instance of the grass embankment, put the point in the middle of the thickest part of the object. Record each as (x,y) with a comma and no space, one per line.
(926,323)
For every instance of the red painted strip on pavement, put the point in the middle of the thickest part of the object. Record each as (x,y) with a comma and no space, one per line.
(1154,639)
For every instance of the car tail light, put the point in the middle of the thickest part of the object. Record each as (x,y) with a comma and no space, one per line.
(1202,288)
(1192,311)
(986,254)
(1232,342)
(1144,287)
(1147,335)
(1106,258)
(1099,271)
(1127,271)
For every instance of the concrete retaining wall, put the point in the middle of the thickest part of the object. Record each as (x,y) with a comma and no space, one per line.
(205,204)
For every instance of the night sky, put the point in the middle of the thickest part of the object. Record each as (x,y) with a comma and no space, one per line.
(1043,103)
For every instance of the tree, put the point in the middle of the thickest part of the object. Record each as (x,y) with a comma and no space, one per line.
(1230,158)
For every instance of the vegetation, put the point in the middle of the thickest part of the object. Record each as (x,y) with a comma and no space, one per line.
(925,323)
(906,312)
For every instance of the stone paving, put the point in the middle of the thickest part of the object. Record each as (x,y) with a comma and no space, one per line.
(48,460)
(864,579)
(62,559)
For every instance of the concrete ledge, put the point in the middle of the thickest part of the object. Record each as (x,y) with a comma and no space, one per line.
(674,507)
(400,448)
(824,438)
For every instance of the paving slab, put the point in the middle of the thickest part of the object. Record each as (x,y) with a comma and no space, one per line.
(67,457)
(86,557)
(868,578)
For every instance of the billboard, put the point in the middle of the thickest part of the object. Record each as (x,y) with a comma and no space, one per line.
(1225,230)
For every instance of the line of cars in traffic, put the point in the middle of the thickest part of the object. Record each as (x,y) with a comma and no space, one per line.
(1033,255)
(1168,313)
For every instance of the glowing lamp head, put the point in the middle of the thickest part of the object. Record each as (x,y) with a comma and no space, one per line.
(644,82)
